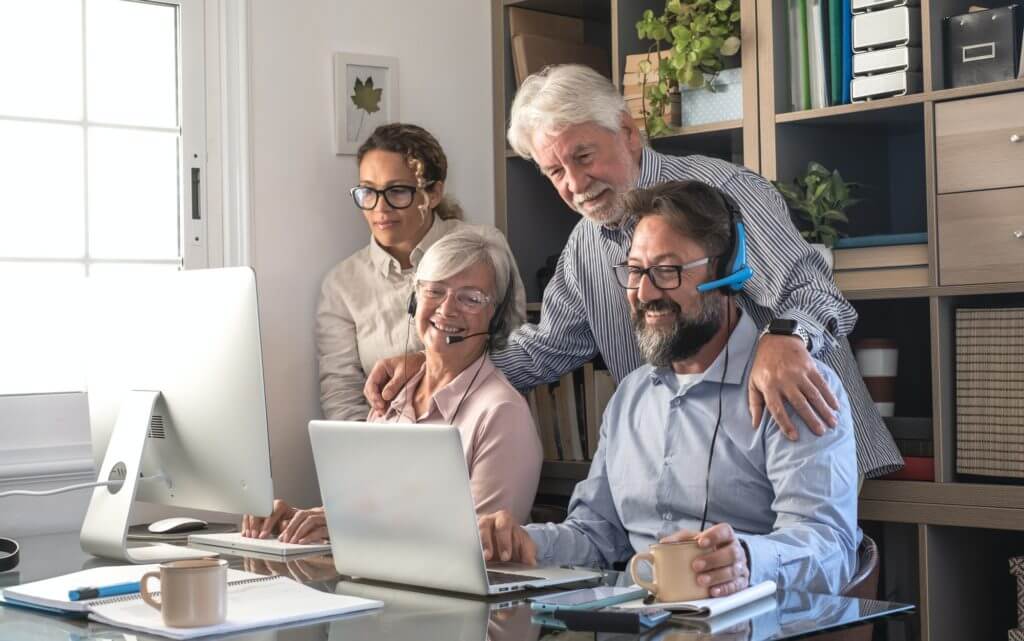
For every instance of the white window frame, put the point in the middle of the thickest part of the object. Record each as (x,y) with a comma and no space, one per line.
(223,79)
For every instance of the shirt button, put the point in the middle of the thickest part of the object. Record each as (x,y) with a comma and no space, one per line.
(667,516)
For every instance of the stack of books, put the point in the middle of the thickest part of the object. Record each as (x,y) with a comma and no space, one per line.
(913,438)
(881,262)
(568,413)
(633,81)
(820,52)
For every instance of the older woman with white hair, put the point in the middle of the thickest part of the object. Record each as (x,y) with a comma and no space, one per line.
(463,306)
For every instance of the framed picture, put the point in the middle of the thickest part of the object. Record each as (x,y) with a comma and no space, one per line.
(365,96)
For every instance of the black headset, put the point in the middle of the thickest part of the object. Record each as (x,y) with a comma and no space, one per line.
(733,271)
(9,553)
(497,324)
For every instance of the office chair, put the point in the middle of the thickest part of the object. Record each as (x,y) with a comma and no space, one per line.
(862,585)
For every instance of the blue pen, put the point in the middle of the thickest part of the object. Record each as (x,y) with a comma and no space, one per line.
(83,594)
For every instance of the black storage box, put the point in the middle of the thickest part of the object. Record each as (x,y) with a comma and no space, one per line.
(982,46)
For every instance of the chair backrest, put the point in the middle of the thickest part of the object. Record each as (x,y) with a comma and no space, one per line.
(864,583)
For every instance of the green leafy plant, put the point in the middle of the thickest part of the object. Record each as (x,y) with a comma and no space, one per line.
(699,35)
(820,197)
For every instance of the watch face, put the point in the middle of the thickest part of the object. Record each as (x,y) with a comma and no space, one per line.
(782,326)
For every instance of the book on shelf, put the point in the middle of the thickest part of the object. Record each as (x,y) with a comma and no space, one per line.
(884,256)
(881,278)
(568,412)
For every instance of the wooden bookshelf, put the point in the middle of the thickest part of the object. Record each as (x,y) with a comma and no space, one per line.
(959,530)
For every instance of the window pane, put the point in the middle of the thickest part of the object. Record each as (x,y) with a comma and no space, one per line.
(41,58)
(133,194)
(41,345)
(131,63)
(41,184)
(131,271)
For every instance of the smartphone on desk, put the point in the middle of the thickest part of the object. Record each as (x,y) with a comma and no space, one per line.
(587,598)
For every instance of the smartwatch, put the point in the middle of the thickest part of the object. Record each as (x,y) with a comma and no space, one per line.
(783,327)
(8,554)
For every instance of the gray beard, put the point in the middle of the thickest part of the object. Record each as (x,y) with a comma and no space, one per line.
(684,339)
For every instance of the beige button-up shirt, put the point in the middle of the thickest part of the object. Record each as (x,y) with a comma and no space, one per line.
(363,317)
(499,438)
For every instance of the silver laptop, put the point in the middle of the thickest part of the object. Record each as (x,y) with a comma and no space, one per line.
(399,509)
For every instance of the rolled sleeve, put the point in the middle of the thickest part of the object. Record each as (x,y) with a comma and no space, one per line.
(813,543)
(562,341)
(505,466)
(341,372)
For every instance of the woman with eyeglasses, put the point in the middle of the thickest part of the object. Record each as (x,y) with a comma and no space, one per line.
(362,315)
(464,305)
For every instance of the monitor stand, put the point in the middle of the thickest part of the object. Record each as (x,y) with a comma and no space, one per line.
(105,529)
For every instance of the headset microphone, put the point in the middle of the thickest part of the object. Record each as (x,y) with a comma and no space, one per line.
(451,340)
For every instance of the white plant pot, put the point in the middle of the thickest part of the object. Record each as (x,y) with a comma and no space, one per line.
(826,253)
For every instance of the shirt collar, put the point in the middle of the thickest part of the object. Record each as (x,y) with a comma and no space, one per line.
(650,167)
(446,400)
(384,263)
(740,347)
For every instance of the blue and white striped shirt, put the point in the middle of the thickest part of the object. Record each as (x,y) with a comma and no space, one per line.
(585,312)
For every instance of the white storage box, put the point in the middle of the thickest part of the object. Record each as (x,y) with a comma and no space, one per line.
(887,61)
(884,85)
(897,27)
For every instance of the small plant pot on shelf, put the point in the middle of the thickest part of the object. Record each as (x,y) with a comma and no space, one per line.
(723,102)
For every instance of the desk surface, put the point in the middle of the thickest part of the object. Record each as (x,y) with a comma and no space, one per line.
(411,615)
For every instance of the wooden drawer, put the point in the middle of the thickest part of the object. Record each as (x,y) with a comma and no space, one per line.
(981,237)
(979,143)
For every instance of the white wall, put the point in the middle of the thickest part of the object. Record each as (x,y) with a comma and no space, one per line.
(304,219)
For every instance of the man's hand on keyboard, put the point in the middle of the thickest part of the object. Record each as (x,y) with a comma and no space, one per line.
(503,539)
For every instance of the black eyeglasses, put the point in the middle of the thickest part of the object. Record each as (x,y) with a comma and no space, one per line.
(396,196)
(664,277)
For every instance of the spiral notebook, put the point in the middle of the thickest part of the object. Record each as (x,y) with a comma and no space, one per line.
(254,601)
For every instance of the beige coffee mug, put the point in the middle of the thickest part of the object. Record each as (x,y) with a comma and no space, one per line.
(193,593)
(672,571)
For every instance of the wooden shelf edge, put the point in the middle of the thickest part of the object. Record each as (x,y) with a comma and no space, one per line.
(857,107)
(937,514)
(934,290)
(894,292)
(711,127)
(901,101)
(951,495)
(577,470)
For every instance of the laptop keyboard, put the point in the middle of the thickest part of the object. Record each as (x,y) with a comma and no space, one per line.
(498,578)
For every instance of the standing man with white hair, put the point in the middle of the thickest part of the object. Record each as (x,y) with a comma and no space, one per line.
(574,125)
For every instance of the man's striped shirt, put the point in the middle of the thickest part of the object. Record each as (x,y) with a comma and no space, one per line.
(585,312)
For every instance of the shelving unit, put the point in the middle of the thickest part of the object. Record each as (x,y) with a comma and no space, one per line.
(953,536)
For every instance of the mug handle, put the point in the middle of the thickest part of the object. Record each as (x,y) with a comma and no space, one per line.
(144,591)
(650,586)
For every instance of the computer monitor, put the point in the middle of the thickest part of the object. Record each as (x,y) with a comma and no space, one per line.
(176,402)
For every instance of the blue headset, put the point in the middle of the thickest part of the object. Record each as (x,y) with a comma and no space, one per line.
(734,270)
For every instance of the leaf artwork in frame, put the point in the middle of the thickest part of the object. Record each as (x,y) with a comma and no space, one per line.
(365,97)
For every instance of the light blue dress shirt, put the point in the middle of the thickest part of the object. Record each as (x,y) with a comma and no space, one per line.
(794,504)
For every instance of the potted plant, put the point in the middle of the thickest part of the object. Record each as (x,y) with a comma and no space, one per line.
(820,197)
(698,35)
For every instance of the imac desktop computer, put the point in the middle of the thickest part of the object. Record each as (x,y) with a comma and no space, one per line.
(177,409)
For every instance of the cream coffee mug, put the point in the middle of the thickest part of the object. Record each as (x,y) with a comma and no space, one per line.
(672,571)
(193,593)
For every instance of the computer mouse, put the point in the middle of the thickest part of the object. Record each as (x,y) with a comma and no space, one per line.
(176,524)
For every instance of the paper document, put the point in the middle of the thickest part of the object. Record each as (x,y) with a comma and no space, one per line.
(707,608)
